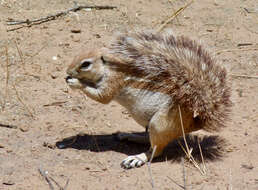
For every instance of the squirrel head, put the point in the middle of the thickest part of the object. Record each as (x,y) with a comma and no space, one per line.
(87,69)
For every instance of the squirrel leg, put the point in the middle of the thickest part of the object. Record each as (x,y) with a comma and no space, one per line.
(163,129)
(160,134)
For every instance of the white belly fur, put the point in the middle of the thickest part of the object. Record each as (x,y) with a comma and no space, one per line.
(142,104)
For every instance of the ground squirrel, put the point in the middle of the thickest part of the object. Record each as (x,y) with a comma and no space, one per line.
(151,75)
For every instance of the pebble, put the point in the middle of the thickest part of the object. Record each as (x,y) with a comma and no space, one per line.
(76,31)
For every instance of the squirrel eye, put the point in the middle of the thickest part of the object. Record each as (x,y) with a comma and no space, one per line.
(85,64)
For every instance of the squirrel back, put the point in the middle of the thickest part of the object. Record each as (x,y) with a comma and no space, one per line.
(179,67)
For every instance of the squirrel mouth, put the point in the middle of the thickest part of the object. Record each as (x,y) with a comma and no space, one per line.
(73,81)
(70,79)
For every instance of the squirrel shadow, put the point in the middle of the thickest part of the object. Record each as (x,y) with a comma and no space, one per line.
(212,147)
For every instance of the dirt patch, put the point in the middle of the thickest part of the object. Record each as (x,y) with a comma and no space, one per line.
(42,111)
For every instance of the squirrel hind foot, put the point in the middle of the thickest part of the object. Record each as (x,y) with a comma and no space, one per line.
(134,161)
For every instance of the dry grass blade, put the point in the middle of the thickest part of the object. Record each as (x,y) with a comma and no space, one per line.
(43,174)
(232,50)
(183,131)
(57,184)
(203,163)
(149,167)
(20,54)
(230,186)
(48,178)
(66,184)
(7,77)
(184,175)
(21,101)
(37,53)
(174,15)
(191,158)
(244,76)
(188,151)
(181,186)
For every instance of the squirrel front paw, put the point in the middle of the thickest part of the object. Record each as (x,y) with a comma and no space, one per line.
(134,161)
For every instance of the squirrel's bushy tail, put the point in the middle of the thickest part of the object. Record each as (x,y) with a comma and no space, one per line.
(179,67)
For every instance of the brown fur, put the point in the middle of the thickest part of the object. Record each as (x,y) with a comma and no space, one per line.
(181,68)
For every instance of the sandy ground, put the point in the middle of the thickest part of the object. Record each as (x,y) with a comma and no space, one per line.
(36,99)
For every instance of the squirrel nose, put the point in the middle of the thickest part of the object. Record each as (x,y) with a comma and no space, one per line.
(68,78)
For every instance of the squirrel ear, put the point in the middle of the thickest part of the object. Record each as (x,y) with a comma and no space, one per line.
(108,58)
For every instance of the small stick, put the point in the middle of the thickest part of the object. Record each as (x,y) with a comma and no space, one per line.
(43,174)
(32,22)
(55,103)
(232,50)
(13,29)
(19,98)
(8,126)
(244,44)
(149,168)
(174,15)
(244,76)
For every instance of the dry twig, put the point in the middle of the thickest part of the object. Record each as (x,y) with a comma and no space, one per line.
(32,22)
(244,44)
(174,15)
(8,126)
